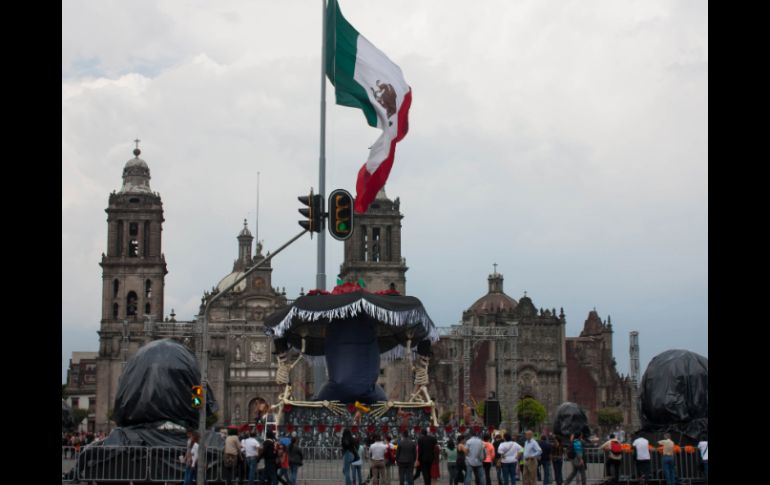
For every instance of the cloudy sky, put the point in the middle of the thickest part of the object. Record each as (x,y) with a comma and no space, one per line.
(566,141)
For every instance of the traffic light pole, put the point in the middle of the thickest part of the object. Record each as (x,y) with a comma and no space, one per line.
(319,372)
(205,356)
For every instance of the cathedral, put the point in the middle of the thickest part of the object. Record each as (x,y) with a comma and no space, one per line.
(504,349)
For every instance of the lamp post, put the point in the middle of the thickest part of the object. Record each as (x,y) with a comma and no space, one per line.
(205,356)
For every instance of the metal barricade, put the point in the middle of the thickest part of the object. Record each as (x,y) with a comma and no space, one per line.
(113,463)
(166,463)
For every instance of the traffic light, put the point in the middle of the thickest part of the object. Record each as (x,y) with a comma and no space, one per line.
(340,214)
(314,212)
(197,396)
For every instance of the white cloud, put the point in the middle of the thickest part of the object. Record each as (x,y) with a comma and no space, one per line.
(566,141)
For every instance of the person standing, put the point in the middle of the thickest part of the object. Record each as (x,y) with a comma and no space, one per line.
(703,446)
(282,471)
(614,457)
(545,458)
(295,459)
(669,470)
(496,442)
(191,458)
(451,461)
(509,451)
(532,452)
(489,456)
(270,455)
(377,452)
(642,452)
(557,459)
(578,463)
(474,460)
(349,451)
(425,454)
(435,471)
(406,455)
(232,454)
(357,465)
(462,452)
(251,450)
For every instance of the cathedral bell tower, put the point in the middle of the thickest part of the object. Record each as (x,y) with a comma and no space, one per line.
(373,252)
(133,276)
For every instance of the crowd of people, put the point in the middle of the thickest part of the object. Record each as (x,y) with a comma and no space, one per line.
(501,456)
(471,459)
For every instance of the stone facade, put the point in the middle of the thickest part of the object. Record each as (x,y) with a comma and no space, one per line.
(593,380)
(509,367)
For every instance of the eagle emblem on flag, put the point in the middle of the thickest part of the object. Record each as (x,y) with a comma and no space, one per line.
(386,96)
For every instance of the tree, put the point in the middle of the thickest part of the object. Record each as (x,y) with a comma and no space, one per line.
(609,417)
(78,415)
(531,412)
(480,409)
(63,389)
(445,417)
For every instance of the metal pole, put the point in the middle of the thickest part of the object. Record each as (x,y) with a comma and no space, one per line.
(320,279)
(319,372)
(205,357)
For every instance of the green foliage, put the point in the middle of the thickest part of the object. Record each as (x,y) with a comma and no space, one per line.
(609,417)
(530,411)
(63,388)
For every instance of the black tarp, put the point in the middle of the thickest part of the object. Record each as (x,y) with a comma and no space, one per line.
(569,420)
(396,319)
(124,454)
(67,423)
(674,394)
(156,386)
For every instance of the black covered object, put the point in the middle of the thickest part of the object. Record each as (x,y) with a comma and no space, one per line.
(156,386)
(67,423)
(124,453)
(352,331)
(396,319)
(570,419)
(674,393)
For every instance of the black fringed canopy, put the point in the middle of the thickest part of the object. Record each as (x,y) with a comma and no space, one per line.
(396,319)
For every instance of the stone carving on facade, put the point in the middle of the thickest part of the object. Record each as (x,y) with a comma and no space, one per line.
(258,351)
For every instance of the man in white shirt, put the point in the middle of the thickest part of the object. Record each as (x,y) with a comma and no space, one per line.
(703,446)
(251,449)
(642,447)
(509,452)
(531,453)
(377,457)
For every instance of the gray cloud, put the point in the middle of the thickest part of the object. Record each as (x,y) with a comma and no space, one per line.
(566,141)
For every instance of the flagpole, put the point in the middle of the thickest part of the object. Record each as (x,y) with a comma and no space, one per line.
(319,372)
(320,278)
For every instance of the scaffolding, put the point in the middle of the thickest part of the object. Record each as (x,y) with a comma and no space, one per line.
(504,341)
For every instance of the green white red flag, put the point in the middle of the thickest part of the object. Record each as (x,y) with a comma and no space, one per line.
(364,77)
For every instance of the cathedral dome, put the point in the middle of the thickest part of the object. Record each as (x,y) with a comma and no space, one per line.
(229,279)
(495,300)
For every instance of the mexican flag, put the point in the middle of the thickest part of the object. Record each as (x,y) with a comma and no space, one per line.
(364,77)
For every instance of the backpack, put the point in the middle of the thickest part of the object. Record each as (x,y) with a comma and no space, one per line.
(615,447)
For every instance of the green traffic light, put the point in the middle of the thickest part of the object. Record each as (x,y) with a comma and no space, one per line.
(343,227)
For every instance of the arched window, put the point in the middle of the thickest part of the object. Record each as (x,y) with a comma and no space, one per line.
(148,289)
(115,309)
(115,288)
(146,308)
(131,300)
(133,243)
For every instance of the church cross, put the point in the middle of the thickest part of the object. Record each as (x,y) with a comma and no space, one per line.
(137,142)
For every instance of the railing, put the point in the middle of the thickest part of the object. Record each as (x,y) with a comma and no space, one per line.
(321,465)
